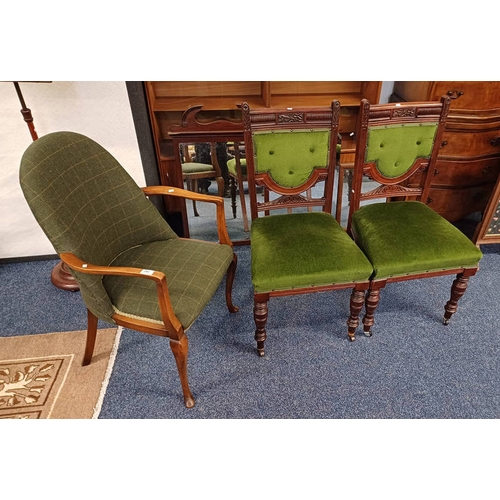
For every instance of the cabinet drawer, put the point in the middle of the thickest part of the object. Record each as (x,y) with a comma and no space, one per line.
(468,95)
(470,144)
(455,204)
(466,172)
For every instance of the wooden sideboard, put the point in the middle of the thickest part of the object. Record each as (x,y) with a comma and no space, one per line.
(469,161)
(167,101)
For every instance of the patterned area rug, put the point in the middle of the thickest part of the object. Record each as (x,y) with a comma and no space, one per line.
(41,376)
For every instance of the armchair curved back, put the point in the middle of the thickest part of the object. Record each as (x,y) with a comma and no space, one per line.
(87,204)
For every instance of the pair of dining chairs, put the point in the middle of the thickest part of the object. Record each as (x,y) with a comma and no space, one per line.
(391,235)
(133,270)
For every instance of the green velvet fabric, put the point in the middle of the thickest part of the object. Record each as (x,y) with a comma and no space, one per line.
(408,237)
(87,204)
(290,156)
(394,148)
(195,168)
(194,270)
(301,250)
(231,166)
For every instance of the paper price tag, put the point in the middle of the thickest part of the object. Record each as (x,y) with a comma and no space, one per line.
(147,271)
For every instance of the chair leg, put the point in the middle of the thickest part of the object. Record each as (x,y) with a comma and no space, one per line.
(195,189)
(260,317)
(220,186)
(232,184)
(180,351)
(229,285)
(357,301)
(371,302)
(91,336)
(457,290)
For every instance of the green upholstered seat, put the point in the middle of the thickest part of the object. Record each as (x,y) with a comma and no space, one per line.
(194,270)
(317,252)
(408,237)
(195,168)
(231,166)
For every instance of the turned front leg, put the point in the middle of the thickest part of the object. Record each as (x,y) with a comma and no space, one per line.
(260,312)
(356,304)
(457,290)
(371,302)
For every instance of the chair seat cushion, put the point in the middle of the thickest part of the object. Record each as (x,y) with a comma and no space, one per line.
(193,269)
(408,237)
(303,250)
(196,168)
(231,166)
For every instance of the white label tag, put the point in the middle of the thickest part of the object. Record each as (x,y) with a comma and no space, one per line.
(147,271)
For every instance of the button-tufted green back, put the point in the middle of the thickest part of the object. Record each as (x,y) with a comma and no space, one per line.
(290,156)
(86,203)
(395,148)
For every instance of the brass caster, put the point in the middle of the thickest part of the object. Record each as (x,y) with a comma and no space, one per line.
(368,334)
(446,321)
(260,352)
(352,339)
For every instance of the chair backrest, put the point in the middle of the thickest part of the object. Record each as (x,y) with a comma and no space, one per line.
(288,152)
(396,147)
(87,204)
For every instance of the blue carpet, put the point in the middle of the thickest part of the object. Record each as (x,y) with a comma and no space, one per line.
(413,367)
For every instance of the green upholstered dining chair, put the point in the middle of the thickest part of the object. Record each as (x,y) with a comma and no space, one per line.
(396,147)
(132,268)
(294,250)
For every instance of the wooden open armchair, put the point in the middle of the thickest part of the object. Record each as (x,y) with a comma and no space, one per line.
(131,267)
(391,222)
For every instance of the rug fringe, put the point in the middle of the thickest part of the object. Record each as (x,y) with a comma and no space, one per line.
(109,369)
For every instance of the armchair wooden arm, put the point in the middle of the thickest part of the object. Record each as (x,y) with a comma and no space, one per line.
(191,195)
(172,324)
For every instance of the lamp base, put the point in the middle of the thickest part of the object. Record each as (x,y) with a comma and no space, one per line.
(62,278)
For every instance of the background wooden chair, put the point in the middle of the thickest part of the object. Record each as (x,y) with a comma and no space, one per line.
(131,267)
(291,152)
(404,238)
(237,171)
(194,170)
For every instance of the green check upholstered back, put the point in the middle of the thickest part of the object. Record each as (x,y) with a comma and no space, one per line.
(86,203)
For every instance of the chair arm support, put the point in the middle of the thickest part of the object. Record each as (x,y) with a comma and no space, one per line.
(172,324)
(191,195)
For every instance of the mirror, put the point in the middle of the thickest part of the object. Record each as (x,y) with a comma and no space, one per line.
(219,169)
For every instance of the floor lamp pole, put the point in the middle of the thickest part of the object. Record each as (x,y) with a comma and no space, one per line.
(60,276)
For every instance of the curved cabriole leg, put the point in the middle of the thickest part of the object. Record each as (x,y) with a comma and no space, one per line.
(357,301)
(260,318)
(457,290)
(180,350)
(229,285)
(91,336)
(371,303)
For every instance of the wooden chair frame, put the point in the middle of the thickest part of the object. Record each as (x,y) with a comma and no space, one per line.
(299,197)
(395,114)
